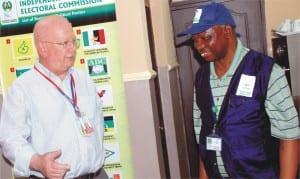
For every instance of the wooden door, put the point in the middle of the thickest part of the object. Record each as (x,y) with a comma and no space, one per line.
(250,19)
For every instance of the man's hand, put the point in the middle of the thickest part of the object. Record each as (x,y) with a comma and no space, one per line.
(47,165)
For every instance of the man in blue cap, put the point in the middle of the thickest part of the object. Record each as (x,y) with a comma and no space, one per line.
(250,126)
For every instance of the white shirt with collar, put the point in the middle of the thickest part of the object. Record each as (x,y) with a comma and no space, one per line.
(37,118)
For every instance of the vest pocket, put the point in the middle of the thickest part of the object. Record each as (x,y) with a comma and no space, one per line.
(236,101)
(243,110)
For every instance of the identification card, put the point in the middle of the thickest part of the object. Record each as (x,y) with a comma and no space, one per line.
(246,86)
(214,142)
(84,125)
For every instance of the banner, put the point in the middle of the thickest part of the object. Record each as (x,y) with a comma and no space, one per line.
(94,23)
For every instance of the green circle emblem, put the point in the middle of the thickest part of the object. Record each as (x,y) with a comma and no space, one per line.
(6,5)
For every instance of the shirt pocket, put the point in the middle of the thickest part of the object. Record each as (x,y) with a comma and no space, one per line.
(87,106)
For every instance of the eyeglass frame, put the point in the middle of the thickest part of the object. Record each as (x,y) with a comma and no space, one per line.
(66,44)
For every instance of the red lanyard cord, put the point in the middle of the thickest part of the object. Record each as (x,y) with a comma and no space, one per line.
(72,100)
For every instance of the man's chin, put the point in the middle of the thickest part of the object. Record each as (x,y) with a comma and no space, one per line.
(208,59)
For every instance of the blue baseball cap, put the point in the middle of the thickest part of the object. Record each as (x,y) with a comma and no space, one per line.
(207,16)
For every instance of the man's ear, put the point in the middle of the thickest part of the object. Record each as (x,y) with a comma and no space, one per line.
(42,46)
(41,49)
(228,30)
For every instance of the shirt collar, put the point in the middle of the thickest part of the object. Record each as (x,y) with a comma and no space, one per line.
(48,73)
(239,54)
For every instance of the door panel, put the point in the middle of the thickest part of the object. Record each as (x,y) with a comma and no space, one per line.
(251,27)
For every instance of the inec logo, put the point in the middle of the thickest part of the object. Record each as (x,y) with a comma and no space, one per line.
(7,5)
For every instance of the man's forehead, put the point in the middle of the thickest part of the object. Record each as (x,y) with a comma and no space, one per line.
(207,32)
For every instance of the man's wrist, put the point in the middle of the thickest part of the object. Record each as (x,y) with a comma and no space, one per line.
(35,162)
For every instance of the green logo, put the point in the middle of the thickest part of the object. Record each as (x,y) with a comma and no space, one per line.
(23,49)
(7,5)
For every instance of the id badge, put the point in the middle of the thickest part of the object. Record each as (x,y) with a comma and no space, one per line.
(84,125)
(214,142)
(246,86)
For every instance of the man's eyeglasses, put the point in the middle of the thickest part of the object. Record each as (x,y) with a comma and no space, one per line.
(67,44)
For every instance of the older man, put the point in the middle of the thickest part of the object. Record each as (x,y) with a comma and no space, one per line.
(52,121)
(245,103)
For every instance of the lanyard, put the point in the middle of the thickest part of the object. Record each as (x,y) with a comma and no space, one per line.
(72,100)
(215,110)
